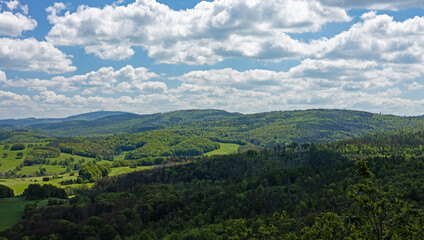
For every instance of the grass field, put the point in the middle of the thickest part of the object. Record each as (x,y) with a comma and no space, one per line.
(225,148)
(10,162)
(11,210)
(19,185)
(122,170)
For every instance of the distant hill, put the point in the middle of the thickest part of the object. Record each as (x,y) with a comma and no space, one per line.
(14,136)
(130,123)
(266,129)
(318,125)
(84,116)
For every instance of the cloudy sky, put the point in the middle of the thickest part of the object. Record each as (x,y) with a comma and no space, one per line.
(147,56)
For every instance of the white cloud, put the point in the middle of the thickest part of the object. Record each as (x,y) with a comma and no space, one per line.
(32,55)
(415,86)
(12,5)
(14,24)
(25,9)
(374,4)
(377,37)
(202,35)
(105,79)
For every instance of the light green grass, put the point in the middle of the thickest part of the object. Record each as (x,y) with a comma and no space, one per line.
(12,209)
(122,170)
(225,148)
(19,185)
(10,162)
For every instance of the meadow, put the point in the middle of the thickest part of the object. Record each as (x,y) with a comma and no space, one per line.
(11,210)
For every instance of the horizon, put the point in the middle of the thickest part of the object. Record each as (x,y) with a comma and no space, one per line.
(141,114)
(156,56)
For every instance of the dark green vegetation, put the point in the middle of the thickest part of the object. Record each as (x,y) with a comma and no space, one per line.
(295,191)
(157,144)
(136,146)
(6,192)
(279,128)
(93,172)
(262,129)
(20,136)
(37,192)
(129,123)
(12,210)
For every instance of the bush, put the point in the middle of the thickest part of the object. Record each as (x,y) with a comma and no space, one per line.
(6,191)
(19,155)
(35,192)
(17,146)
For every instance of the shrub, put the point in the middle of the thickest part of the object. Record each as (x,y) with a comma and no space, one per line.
(6,191)
(17,146)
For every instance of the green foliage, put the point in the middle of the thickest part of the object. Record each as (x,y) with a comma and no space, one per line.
(17,146)
(39,155)
(157,144)
(93,172)
(130,123)
(280,128)
(12,209)
(21,136)
(36,191)
(82,147)
(364,188)
(6,192)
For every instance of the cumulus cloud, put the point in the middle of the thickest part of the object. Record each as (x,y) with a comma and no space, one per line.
(202,35)
(375,4)
(32,55)
(105,79)
(12,4)
(13,24)
(377,37)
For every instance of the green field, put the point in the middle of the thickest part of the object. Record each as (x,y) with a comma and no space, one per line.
(225,148)
(19,185)
(11,210)
(10,162)
(122,170)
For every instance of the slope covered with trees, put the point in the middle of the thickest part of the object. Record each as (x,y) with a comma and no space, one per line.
(264,129)
(364,188)
(129,123)
(278,128)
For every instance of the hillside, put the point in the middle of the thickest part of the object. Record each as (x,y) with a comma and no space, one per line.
(130,123)
(278,128)
(21,136)
(263,129)
(307,191)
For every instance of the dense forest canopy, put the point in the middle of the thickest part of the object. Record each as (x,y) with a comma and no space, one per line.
(294,191)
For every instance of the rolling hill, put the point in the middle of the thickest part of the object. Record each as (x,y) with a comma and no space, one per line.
(84,116)
(266,129)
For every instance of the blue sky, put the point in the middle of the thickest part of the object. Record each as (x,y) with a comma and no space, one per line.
(146,56)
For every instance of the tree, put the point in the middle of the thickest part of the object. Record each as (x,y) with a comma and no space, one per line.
(17,146)
(6,191)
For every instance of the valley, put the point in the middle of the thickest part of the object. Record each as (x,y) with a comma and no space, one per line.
(238,170)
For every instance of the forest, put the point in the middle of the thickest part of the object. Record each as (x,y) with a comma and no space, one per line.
(368,187)
(361,180)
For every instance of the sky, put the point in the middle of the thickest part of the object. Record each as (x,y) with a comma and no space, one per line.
(147,56)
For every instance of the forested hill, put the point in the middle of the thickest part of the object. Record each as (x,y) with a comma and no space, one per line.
(84,116)
(131,123)
(264,129)
(364,188)
(278,128)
